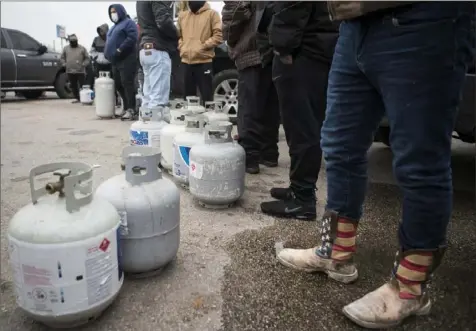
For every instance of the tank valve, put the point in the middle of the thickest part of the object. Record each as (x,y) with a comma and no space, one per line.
(58,186)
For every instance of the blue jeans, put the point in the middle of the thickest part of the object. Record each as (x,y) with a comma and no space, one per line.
(157,69)
(409,65)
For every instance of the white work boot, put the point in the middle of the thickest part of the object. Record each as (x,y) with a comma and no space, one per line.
(403,296)
(333,257)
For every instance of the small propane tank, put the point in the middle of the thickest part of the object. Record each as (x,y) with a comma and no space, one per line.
(217,168)
(176,126)
(105,97)
(194,106)
(176,104)
(149,206)
(146,131)
(64,250)
(183,142)
(214,112)
(86,95)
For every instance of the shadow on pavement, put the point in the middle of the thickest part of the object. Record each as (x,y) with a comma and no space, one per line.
(260,294)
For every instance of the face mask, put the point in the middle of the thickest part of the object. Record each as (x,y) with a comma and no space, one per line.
(74,43)
(114,17)
(195,5)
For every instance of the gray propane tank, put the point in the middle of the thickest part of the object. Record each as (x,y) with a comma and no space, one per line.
(217,168)
(194,106)
(149,206)
(214,112)
(64,249)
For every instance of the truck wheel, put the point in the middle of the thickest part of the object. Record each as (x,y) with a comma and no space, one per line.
(33,94)
(62,88)
(225,87)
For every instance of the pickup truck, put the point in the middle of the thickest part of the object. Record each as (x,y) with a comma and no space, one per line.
(29,68)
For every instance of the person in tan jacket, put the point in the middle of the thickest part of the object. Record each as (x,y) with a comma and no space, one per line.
(199,30)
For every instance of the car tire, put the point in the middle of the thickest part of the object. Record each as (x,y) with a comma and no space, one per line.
(383,135)
(229,74)
(31,95)
(62,86)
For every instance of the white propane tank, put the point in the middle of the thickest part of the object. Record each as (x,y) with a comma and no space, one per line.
(105,97)
(86,95)
(64,251)
(217,168)
(146,131)
(194,106)
(149,206)
(176,126)
(183,142)
(176,104)
(214,112)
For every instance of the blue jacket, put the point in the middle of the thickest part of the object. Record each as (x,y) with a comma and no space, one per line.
(123,36)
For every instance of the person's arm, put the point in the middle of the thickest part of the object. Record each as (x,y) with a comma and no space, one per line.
(216,38)
(132,36)
(63,57)
(234,16)
(163,19)
(86,59)
(287,26)
(179,31)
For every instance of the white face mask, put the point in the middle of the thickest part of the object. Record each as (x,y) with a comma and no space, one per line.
(114,17)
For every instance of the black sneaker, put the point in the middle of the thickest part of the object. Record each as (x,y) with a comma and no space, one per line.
(290,209)
(282,193)
(252,168)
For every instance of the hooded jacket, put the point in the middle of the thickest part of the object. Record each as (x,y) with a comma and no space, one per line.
(75,59)
(345,10)
(199,34)
(122,36)
(97,48)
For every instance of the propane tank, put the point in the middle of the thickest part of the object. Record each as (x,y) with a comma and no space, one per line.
(194,106)
(217,168)
(86,95)
(215,112)
(176,104)
(176,126)
(183,142)
(149,206)
(64,250)
(105,98)
(146,131)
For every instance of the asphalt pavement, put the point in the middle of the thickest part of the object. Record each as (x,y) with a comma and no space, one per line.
(225,276)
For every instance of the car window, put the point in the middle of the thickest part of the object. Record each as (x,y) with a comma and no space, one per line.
(22,41)
(3,42)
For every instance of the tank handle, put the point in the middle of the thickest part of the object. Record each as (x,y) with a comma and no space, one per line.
(218,132)
(138,159)
(214,106)
(79,179)
(192,101)
(194,123)
(104,74)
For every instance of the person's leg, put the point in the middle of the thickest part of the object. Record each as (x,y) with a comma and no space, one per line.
(420,78)
(81,80)
(204,78)
(189,87)
(146,60)
(73,83)
(160,71)
(116,75)
(128,74)
(354,110)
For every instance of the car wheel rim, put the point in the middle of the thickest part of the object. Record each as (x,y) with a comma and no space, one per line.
(227,93)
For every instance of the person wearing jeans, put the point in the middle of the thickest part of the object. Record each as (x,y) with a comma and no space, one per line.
(158,38)
(405,61)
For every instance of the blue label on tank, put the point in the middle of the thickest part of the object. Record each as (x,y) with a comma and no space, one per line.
(140,138)
(119,255)
(92,95)
(185,153)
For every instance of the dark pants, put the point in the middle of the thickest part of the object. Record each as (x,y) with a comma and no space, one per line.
(258,114)
(76,81)
(302,88)
(201,76)
(124,75)
(409,66)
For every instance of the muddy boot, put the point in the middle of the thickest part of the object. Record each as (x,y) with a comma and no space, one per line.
(403,296)
(334,256)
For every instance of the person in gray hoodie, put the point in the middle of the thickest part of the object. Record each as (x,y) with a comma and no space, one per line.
(75,58)
(97,51)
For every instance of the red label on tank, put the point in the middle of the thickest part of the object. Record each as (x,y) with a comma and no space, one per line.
(104,244)
(193,166)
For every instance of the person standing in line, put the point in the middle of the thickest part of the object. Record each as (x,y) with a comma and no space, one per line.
(97,51)
(159,39)
(406,61)
(199,30)
(258,114)
(75,59)
(303,39)
(120,50)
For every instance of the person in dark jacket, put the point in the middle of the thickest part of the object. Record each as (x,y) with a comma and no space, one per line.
(406,61)
(258,113)
(75,59)
(97,51)
(159,38)
(303,38)
(120,50)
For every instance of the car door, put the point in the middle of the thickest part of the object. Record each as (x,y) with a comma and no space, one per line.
(30,69)
(8,63)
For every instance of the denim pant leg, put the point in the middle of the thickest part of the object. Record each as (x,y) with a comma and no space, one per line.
(146,84)
(419,62)
(354,110)
(159,79)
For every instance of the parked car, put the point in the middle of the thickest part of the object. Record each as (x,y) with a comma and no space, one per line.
(29,68)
